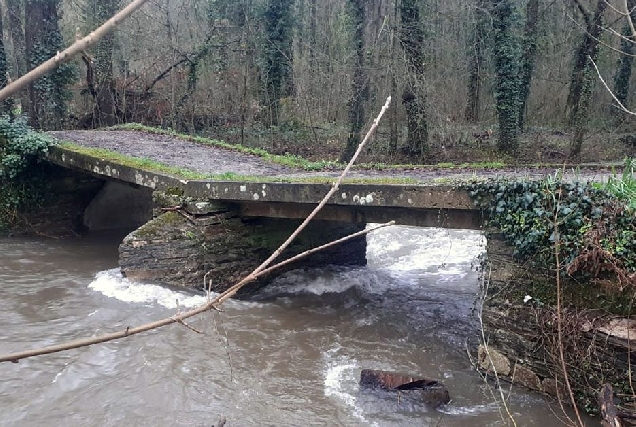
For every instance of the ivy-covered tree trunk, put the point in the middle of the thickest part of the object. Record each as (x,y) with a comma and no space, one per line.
(529,56)
(413,99)
(359,85)
(48,96)
(277,51)
(393,111)
(105,111)
(507,58)
(626,59)
(6,106)
(583,77)
(18,63)
(476,58)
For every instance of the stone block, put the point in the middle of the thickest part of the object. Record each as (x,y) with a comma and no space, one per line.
(491,360)
(526,377)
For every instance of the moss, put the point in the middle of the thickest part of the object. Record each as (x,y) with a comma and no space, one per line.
(156,167)
(174,191)
(157,226)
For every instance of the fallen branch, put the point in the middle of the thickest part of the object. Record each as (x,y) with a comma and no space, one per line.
(331,192)
(260,271)
(179,318)
(67,54)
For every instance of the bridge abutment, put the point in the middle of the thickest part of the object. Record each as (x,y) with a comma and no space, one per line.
(179,247)
(519,320)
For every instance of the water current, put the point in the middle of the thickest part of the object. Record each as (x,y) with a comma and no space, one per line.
(290,356)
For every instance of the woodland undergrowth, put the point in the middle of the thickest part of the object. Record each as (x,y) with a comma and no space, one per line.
(22,184)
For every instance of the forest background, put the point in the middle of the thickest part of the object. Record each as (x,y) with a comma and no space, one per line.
(475,81)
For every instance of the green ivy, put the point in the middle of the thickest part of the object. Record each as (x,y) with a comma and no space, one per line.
(21,183)
(507,61)
(531,215)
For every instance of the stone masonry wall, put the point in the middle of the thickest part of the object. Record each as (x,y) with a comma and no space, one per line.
(521,335)
(180,247)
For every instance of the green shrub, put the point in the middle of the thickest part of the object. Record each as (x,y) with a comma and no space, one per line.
(596,230)
(22,184)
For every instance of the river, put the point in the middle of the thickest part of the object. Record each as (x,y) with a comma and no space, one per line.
(290,356)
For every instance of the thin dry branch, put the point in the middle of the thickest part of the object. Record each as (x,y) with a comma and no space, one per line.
(68,53)
(628,15)
(622,107)
(331,192)
(261,270)
(559,314)
(178,318)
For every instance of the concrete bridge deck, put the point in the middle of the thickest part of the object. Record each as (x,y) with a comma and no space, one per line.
(436,198)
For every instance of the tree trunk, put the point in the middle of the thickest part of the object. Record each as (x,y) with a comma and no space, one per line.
(36,20)
(529,56)
(278,55)
(48,95)
(625,60)
(105,110)
(476,58)
(6,106)
(393,116)
(359,85)
(583,79)
(312,37)
(412,39)
(507,57)
(15,12)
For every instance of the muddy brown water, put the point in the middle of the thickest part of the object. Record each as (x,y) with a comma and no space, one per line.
(291,356)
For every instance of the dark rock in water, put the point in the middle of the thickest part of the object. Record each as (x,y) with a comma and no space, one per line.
(432,391)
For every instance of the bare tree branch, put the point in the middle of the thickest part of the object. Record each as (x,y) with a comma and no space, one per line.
(628,15)
(622,107)
(68,53)
(331,192)
(180,317)
(261,270)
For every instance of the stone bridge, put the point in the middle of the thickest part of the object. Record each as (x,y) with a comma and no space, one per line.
(432,204)
(185,228)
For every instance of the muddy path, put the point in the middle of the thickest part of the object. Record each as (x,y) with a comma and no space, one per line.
(203,158)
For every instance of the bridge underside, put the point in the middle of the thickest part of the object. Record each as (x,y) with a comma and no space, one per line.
(443,218)
(217,249)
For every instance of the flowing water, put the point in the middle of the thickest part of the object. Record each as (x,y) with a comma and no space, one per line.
(291,356)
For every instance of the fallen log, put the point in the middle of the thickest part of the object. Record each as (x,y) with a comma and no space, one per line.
(432,391)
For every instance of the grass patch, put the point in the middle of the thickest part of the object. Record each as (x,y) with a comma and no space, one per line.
(623,186)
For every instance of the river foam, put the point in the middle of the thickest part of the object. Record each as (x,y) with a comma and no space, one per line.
(435,251)
(112,283)
(339,372)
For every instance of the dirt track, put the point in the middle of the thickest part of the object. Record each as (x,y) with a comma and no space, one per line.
(202,158)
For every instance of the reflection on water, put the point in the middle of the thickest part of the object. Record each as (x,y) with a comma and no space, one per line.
(290,356)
